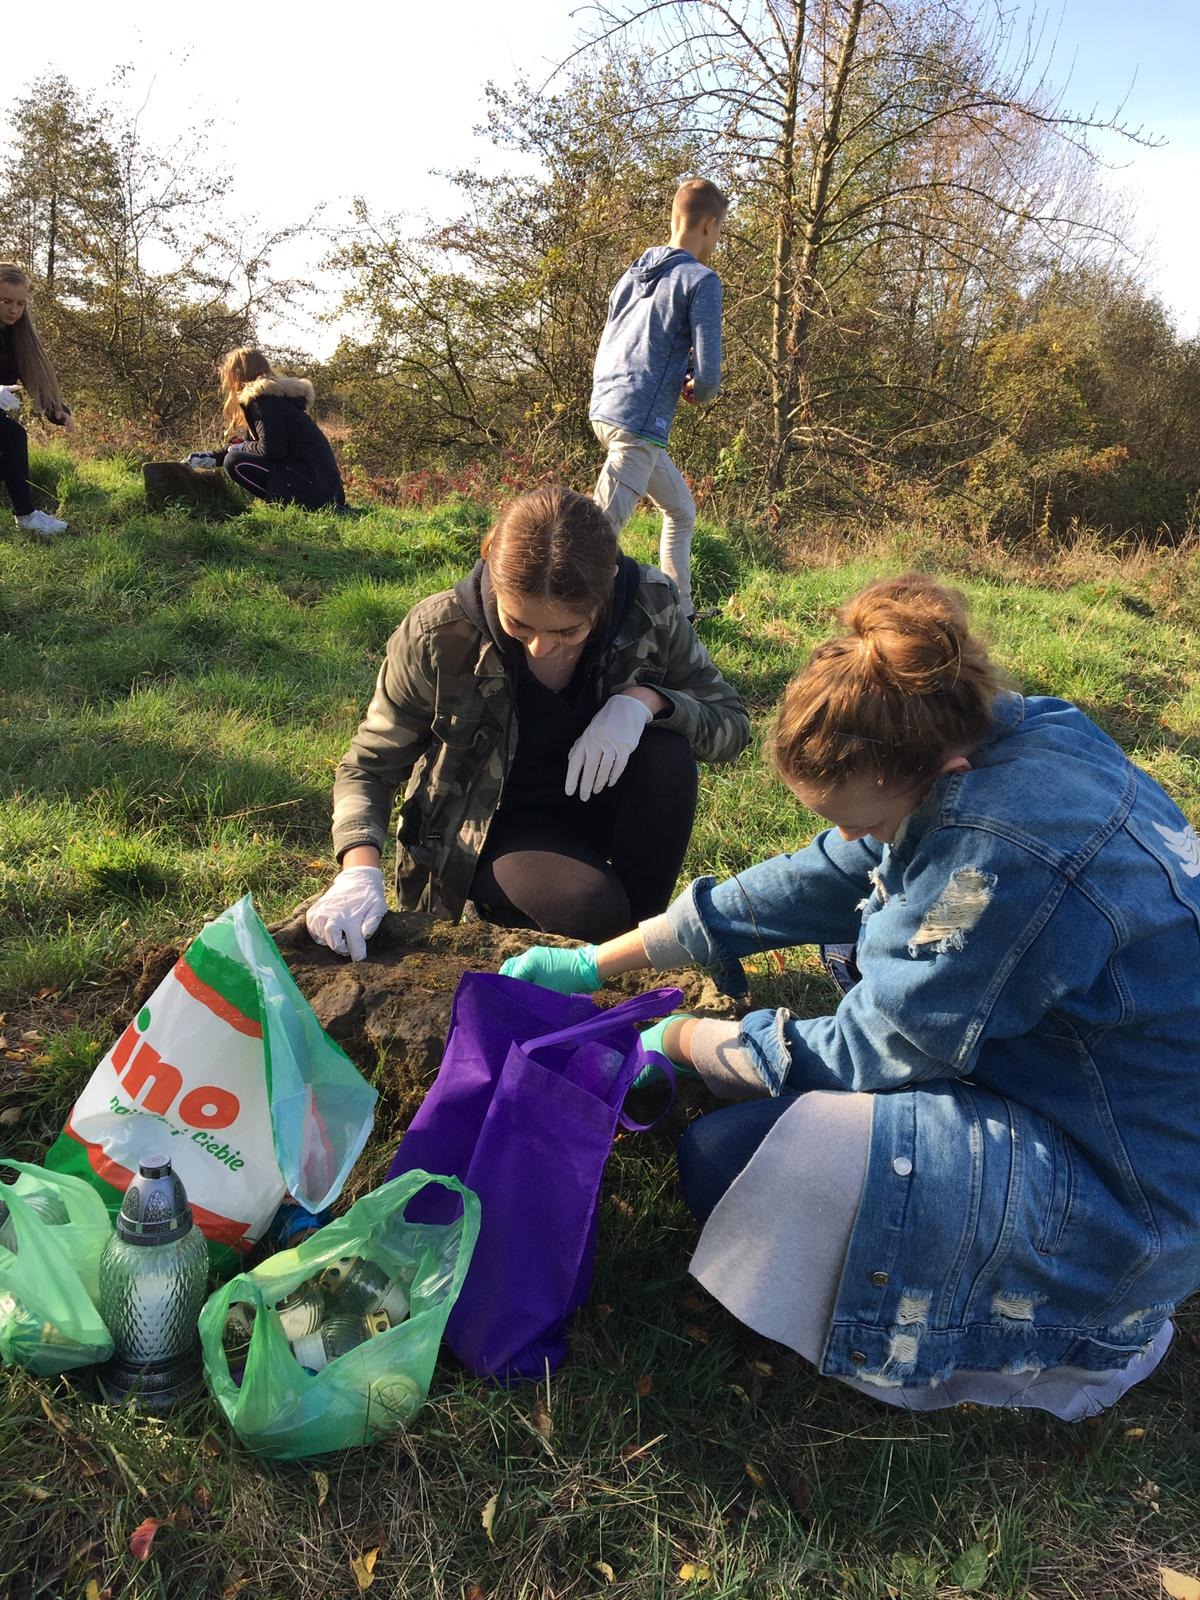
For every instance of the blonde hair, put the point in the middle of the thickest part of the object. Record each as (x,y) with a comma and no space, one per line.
(697,199)
(907,685)
(236,370)
(37,375)
(553,544)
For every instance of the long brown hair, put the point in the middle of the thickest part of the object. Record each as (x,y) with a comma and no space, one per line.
(37,375)
(907,685)
(553,544)
(237,369)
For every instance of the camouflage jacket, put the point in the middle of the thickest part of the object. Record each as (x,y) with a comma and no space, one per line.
(442,723)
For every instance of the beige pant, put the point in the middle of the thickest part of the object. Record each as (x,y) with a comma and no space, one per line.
(634,468)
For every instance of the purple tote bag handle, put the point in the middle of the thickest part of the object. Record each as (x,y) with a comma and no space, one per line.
(654,1003)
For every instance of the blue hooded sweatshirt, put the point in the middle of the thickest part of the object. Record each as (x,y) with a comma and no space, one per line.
(663,311)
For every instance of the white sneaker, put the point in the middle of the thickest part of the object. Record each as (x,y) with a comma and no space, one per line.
(42,525)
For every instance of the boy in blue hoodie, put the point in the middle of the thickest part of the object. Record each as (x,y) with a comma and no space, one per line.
(661,343)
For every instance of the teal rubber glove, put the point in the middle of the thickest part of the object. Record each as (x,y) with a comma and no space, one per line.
(652,1039)
(567,971)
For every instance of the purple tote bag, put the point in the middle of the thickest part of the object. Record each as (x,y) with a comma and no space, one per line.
(523,1111)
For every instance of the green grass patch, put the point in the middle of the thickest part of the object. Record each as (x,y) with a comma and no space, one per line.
(174,695)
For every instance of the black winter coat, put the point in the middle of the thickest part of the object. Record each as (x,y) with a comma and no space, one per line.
(281,430)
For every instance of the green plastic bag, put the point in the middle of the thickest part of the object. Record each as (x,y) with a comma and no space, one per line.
(282,1410)
(50,1285)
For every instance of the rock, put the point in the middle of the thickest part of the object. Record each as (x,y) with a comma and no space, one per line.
(340,1006)
(391,1012)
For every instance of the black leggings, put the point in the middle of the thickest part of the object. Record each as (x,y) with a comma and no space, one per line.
(14,464)
(276,481)
(590,870)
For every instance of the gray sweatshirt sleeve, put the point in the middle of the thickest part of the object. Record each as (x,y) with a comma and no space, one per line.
(706,339)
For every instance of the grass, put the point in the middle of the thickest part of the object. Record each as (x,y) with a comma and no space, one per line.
(173,697)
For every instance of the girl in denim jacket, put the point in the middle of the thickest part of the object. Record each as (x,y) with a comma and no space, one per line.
(979,1179)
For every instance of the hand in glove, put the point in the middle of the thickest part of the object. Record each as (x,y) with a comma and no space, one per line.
(652,1041)
(10,400)
(600,754)
(567,971)
(349,911)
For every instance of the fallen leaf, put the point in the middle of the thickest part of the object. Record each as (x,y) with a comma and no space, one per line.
(141,1540)
(489,1516)
(1135,1433)
(182,1515)
(695,1572)
(54,1418)
(475,1593)
(32,1036)
(799,1493)
(692,1302)
(698,1335)
(35,1491)
(92,1590)
(601,1311)
(10,1116)
(540,1418)
(764,1369)
(970,1571)
(1178,1585)
(321,1479)
(644,1386)
(740,1392)
(363,1568)
(605,1571)
(755,1476)
(203,1498)
(41,1061)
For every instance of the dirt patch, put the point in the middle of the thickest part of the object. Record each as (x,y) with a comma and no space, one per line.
(391,1012)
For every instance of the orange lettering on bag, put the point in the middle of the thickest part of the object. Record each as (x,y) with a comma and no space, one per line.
(123,1048)
(194,1108)
(149,1065)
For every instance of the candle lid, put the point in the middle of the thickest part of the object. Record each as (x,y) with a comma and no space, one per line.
(155,1209)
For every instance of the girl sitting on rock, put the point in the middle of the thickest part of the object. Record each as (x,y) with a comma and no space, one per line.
(281,454)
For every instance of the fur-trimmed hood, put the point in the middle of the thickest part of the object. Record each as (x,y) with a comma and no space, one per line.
(286,388)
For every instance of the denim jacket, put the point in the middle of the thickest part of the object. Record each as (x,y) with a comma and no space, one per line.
(1029,1018)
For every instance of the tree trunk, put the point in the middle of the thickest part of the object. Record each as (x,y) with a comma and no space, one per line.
(781,268)
(806,289)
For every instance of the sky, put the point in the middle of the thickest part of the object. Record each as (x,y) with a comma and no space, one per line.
(316,103)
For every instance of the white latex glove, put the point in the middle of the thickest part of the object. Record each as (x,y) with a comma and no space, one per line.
(600,754)
(10,400)
(349,911)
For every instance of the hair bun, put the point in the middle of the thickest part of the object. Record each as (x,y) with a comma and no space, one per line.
(912,632)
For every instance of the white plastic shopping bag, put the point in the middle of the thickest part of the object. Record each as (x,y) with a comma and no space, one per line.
(227,1069)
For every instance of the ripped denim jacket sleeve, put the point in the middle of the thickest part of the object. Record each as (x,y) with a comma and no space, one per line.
(812,896)
(959,945)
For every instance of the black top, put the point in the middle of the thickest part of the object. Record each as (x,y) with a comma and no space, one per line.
(10,372)
(281,429)
(548,720)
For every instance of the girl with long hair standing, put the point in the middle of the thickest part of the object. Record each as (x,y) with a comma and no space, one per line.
(281,454)
(23,362)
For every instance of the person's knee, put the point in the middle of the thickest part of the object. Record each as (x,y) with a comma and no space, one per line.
(593,912)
